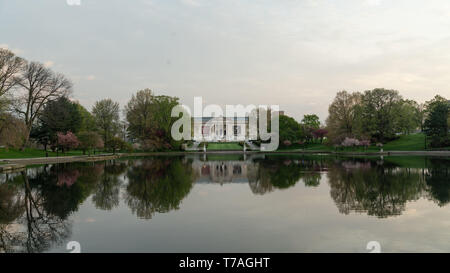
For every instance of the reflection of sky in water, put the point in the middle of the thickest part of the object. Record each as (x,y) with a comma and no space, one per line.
(238,216)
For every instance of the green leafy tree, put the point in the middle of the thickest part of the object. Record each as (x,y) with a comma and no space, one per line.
(90,141)
(310,123)
(150,121)
(139,111)
(341,121)
(408,117)
(290,130)
(436,124)
(60,115)
(106,116)
(377,113)
(87,119)
(116,144)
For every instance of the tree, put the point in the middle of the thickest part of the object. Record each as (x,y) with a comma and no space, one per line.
(377,113)
(310,123)
(342,116)
(408,117)
(10,66)
(436,124)
(139,114)
(90,141)
(290,130)
(150,121)
(40,86)
(320,134)
(67,141)
(106,116)
(87,119)
(60,115)
(116,143)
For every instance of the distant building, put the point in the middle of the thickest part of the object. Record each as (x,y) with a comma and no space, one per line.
(220,129)
(223,129)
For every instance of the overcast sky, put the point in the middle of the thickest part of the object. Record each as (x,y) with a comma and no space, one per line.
(294,53)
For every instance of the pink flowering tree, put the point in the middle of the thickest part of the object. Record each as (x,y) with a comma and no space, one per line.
(364,143)
(320,134)
(67,141)
(350,142)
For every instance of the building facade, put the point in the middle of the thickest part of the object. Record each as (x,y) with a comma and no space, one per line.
(221,129)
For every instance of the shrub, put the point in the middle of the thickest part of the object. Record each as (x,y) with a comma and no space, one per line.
(320,134)
(116,143)
(364,143)
(287,143)
(67,141)
(350,142)
(90,141)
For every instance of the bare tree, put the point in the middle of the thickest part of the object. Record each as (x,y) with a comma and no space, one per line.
(40,85)
(10,66)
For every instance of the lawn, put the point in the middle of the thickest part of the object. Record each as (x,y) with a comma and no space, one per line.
(412,142)
(31,153)
(224,147)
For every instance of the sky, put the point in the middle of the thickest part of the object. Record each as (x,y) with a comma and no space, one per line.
(293,53)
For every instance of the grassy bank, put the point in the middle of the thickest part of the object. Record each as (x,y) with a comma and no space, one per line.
(413,142)
(32,153)
(224,147)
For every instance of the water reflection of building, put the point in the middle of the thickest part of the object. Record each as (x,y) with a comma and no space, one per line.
(232,171)
(222,171)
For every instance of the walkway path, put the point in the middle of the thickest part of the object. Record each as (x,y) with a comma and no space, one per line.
(252,146)
(61,159)
(194,147)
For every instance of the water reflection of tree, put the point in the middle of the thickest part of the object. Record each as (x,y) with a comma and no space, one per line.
(36,203)
(258,182)
(379,190)
(64,186)
(158,185)
(285,172)
(26,226)
(107,192)
(438,180)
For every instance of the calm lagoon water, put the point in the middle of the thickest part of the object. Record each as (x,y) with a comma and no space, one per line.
(229,203)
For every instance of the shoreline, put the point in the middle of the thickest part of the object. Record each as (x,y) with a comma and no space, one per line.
(18,164)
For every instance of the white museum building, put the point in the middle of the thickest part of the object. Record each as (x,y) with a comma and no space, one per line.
(221,129)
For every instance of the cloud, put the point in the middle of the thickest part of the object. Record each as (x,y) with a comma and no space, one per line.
(49,64)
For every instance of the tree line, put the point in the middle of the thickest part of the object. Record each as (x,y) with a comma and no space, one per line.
(373,116)
(36,107)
